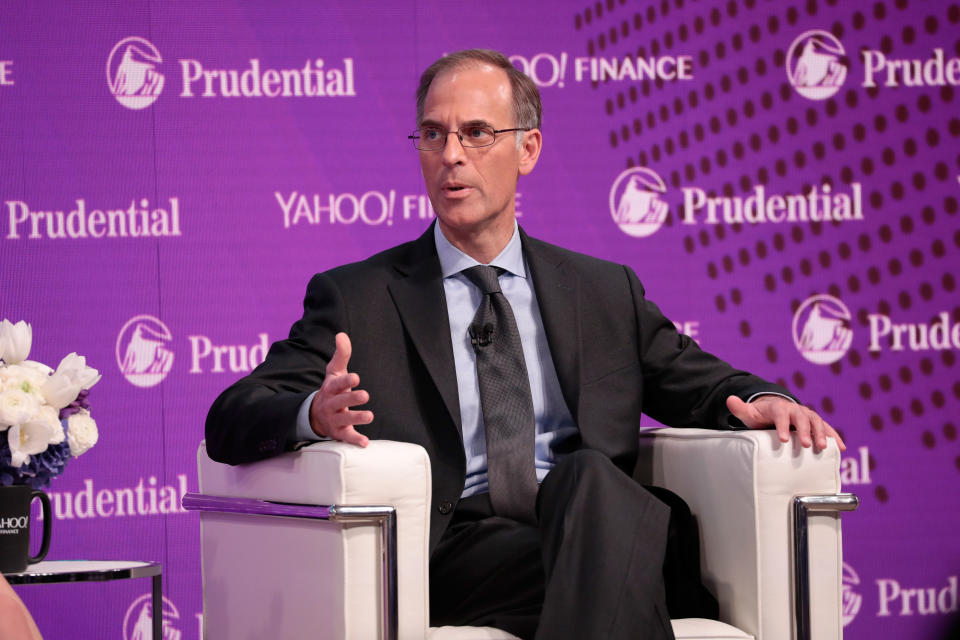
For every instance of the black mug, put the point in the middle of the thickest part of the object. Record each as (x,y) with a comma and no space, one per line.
(15,527)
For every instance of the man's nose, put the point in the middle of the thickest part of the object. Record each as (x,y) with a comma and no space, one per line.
(452,151)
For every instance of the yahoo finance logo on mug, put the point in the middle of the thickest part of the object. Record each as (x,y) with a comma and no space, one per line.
(11,525)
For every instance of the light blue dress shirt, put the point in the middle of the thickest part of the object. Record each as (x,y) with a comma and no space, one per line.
(554,426)
(553,423)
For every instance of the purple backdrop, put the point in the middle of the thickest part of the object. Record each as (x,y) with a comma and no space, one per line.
(783,177)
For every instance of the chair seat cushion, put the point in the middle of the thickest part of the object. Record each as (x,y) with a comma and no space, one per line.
(684,629)
(700,629)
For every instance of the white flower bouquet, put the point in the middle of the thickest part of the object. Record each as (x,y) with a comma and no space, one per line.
(44,414)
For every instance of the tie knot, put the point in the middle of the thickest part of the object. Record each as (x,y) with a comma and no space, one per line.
(485,277)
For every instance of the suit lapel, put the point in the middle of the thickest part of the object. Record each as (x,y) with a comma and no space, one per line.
(557,295)
(421,304)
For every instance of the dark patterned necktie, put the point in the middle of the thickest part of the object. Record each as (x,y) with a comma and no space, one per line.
(504,399)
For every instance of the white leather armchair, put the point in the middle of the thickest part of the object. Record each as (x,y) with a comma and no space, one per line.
(308,577)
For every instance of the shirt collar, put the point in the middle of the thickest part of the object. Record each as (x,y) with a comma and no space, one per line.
(453,261)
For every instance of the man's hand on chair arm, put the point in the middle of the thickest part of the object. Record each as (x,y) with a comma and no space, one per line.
(777,411)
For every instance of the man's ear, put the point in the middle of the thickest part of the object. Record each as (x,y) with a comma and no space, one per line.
(529,151)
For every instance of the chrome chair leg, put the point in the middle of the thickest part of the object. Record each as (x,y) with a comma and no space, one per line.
(802,506)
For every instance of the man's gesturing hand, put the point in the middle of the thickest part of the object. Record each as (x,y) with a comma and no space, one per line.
(330,413)
(771,410)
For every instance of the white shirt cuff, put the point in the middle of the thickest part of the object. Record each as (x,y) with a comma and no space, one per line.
(764,393)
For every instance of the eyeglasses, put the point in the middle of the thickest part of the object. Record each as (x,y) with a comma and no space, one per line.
(471,135)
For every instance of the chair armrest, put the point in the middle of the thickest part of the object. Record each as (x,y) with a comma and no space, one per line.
(285,577)
(740,486)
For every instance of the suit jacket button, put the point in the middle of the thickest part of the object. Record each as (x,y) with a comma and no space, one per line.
(445,507)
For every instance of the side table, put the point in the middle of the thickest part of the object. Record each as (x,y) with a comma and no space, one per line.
(97,571)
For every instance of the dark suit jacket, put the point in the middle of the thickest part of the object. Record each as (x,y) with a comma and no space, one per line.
(615,355)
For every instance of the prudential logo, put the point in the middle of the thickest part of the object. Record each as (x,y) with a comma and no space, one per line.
(850,599)
(132,73)
(635,202)
(138,621)
(143,354)
(816,64)
(821,329)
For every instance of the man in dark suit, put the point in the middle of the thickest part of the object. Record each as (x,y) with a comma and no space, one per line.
(587,560)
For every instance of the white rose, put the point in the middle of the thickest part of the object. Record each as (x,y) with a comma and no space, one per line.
(81,432)
(15,340)
(16,406)
(26,377)
(71,376)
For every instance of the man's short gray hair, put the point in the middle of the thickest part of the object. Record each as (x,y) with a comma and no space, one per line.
(527,110)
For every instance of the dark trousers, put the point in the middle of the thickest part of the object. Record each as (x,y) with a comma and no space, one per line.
(591,568)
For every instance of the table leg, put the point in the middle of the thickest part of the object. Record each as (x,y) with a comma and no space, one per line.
(157,617)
